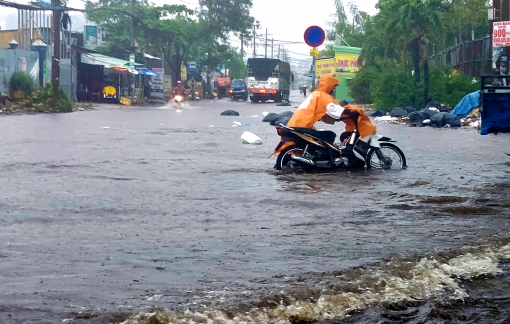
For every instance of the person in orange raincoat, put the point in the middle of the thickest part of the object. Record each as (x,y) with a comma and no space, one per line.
(314,107)
(321,105)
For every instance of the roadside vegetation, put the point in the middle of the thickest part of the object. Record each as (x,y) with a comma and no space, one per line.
(26,96)
(397,44)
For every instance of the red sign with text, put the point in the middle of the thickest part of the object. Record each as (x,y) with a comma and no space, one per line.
(501,34)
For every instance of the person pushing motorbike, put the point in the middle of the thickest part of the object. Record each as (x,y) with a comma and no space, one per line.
(313,108)
(321,105)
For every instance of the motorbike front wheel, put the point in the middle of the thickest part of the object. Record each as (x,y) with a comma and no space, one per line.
(283,161)
(395,155)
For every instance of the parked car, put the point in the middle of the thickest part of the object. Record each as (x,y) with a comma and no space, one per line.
(238,89)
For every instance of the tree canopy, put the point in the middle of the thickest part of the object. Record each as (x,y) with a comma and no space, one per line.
(404,34)
(176,31)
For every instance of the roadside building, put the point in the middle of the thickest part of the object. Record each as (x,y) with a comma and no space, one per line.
(343,66)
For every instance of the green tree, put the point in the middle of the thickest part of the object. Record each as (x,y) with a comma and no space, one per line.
(410,22)
(449,86)
(352,28)
(173,30)
(393,86)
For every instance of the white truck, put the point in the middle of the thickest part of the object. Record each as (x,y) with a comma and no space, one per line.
(268,79)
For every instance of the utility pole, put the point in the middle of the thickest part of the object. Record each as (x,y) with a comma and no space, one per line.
(266,44)
(254,45)
(242,43)
(505,16)
(272,47)
(133,41)
(278,51)
(313,66)
(55,62)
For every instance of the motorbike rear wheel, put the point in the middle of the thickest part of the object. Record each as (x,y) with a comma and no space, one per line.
(283,160)
(391,151)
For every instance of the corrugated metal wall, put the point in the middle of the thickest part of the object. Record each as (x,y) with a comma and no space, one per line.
(473,57)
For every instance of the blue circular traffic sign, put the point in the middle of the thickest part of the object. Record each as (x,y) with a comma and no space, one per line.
(314,36)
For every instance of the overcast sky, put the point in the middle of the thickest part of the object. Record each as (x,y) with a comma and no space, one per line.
(285,20)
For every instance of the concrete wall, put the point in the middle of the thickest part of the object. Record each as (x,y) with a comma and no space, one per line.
(10,63)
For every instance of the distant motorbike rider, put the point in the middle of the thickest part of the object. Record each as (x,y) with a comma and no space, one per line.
(179,89)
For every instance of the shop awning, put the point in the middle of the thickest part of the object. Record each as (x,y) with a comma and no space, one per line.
(106,61)
(120,70)
(144,71)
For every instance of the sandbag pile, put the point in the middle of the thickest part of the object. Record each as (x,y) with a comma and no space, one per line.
(434,114)
(281,118)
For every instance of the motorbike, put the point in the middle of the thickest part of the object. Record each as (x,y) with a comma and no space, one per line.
(314,149)
(178,99)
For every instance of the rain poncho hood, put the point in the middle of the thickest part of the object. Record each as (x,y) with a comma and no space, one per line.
(327,83)
(314,107)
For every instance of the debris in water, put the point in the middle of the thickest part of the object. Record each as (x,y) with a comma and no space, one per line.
(250,138)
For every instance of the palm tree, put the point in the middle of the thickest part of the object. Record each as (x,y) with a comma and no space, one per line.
(411,21)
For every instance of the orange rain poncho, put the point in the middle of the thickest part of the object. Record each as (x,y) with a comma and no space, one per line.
(314,106)
(365,126)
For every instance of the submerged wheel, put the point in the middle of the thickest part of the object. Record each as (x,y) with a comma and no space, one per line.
(284,157)
(397,157)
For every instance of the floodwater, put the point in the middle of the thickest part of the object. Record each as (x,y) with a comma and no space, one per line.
(149,215)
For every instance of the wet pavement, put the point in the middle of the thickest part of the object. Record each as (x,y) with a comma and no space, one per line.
(109,213)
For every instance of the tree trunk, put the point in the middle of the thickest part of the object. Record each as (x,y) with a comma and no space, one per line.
(170,60)
(426,80)
(177,61)
(416,60)
(426,74)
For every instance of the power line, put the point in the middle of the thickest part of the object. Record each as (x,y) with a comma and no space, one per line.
(299,54)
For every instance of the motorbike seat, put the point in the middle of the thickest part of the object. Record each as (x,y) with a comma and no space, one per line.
(327,136)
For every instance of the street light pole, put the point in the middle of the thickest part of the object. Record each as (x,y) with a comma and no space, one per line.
(55,62)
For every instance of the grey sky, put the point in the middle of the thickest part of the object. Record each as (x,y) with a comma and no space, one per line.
(285,20)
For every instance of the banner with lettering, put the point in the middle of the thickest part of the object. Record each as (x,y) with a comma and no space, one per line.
(501,34)
(325,66)
(347,62)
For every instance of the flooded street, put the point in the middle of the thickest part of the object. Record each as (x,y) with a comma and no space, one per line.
(127,214)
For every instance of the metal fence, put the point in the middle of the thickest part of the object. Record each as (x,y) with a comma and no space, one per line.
(472,57)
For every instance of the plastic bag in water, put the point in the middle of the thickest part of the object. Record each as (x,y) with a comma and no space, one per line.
(250,138)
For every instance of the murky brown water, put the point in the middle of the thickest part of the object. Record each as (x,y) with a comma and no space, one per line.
(106,214)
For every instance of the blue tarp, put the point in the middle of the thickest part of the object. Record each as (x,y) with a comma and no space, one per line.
(467,103)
